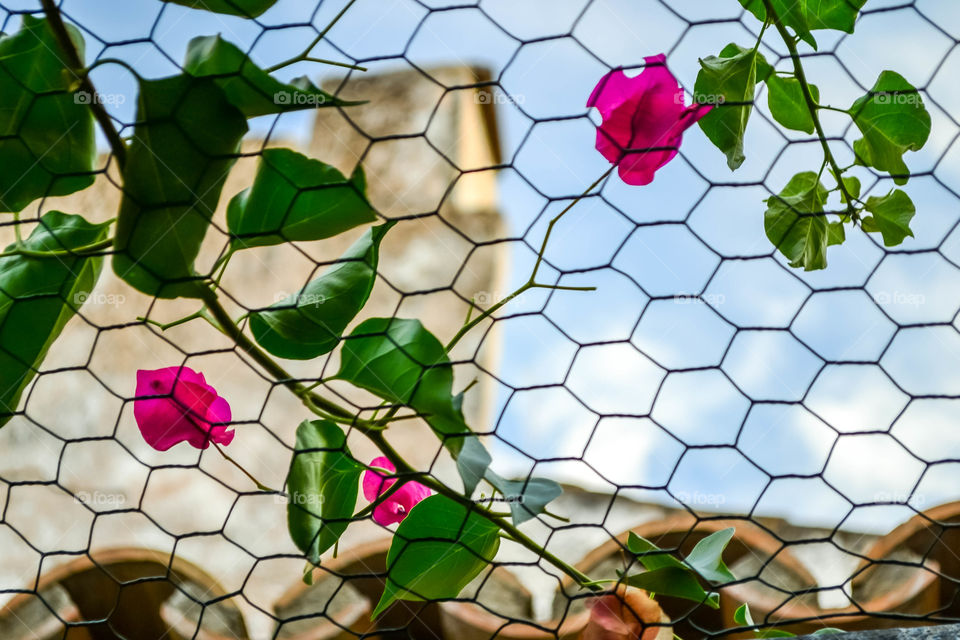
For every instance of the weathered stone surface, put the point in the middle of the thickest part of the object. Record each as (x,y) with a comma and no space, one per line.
(946,632)
(80,432)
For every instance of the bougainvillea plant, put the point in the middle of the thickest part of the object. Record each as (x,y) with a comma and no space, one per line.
(173,166)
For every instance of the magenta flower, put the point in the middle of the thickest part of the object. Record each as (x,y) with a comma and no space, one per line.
(626,614)
(187,409)
(398,505)
(643,119)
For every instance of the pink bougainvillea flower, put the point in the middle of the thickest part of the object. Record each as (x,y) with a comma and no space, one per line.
(626,614)
(396,507)
(643,119)
(175,405)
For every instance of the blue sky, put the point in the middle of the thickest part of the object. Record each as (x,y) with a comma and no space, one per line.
(769,390)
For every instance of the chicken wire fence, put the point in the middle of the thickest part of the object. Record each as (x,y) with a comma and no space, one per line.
(704,383)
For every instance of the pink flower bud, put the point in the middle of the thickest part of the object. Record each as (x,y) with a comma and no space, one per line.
(396,507)
(626,614)
(176,404)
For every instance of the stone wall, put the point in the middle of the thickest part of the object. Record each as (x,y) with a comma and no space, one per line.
(78,441)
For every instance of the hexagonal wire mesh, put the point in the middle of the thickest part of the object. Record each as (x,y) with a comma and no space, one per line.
(704,382)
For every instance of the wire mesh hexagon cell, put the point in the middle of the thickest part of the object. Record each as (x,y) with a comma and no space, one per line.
(267,241)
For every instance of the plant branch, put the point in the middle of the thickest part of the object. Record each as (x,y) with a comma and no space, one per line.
(505,525)
(305,54)
(329,409)
(373,431)
(812,106)
(532,282)
(76,65)
(175,323)
(86,251)
(260,485)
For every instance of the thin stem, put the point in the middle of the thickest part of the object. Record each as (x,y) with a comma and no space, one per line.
(222,263)
(532,282)
(334,63)
(559,287)
(305,54)
(170,325)
(76,66)
(465,329)
(89,250)
(555,516)
(827,107)
(259,484)
(16,229)
(556,219)
(812,106)
(763,29)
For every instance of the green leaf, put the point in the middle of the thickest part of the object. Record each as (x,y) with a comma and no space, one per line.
(840,15)
(437,550)
(742,616)
(829,631)
(787,104)
(243,8)
(47,145)
(795,224)
(852,184)
(706,558)
(675,582)
(893,120)
(248,87)
(294,197)
(650,555)
(400,361)
(323,484)
(187,138)
(891,217)
(403,363)
(835,233)
(473,460)
(310,322)
(527,498)
(792,13)
(729,81)
(39,295)
(804,16)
